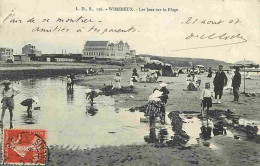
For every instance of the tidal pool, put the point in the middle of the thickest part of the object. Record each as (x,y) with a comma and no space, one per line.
(65,116)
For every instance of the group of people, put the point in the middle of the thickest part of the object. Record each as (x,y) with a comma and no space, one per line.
(193,83)
(157,101)
(91,71)
(220,80)
(150,76)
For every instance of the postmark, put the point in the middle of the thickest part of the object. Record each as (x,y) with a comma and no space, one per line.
(25,147)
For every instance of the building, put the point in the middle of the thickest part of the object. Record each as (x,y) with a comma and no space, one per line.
(31,51)
(59,58)
(107,50)
(22,58)
(6,53)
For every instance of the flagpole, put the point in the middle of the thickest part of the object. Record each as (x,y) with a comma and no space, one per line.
(244,79)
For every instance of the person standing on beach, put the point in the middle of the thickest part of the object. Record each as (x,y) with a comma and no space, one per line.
(236,81)
(210,72)
(117,79)
(134,72)
(164,98)
(7,101)
(154,106)
(206,96)
(69,82)
(219,82)
(72,77)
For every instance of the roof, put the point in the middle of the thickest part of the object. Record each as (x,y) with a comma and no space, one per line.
(156,62)
(112,44)
(245,62)
(121,42)
(6,48)
(96,43)
(200,66)
(90,49)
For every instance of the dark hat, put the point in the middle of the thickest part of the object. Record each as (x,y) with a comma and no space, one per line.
(6,82)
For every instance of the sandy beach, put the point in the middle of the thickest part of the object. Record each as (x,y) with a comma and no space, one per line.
(226,150)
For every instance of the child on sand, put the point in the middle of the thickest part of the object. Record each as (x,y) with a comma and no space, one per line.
(206,97)
(132,82)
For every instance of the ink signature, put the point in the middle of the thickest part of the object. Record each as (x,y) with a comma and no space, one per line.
(214,36)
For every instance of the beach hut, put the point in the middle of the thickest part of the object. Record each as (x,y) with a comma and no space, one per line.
(154,65)
(167,70)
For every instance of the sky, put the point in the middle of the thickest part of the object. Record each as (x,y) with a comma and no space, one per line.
(162,33)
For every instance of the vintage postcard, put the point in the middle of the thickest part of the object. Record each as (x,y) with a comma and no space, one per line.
(128,82)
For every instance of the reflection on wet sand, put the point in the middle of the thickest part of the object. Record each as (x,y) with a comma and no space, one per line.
(152,136)
(91,111)
(70,96)
(69,115)
(27,120)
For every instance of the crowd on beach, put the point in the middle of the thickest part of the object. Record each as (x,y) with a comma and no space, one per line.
(157,101)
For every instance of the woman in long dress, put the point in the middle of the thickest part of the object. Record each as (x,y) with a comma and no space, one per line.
(117,80)
(229,87)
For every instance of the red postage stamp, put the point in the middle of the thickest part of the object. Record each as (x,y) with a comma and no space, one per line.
(24,147)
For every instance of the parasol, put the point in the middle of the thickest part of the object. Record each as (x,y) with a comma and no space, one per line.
(244,64)
(156,62)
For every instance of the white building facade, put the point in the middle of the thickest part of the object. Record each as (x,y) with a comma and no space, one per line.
(105,49)
(6,53)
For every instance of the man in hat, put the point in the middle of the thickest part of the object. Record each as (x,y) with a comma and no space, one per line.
(8,94)
(210,72)
(69,82)
(72,77)
(219,82)
(236,81)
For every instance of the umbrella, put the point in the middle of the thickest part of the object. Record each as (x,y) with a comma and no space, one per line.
(245,64)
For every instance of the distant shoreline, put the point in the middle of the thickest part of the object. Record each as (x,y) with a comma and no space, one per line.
(34,70)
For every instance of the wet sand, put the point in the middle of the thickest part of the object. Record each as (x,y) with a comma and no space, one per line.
(178,98)
(228,152)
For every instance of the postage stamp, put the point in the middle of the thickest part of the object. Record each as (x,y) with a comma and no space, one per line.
(24,147)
